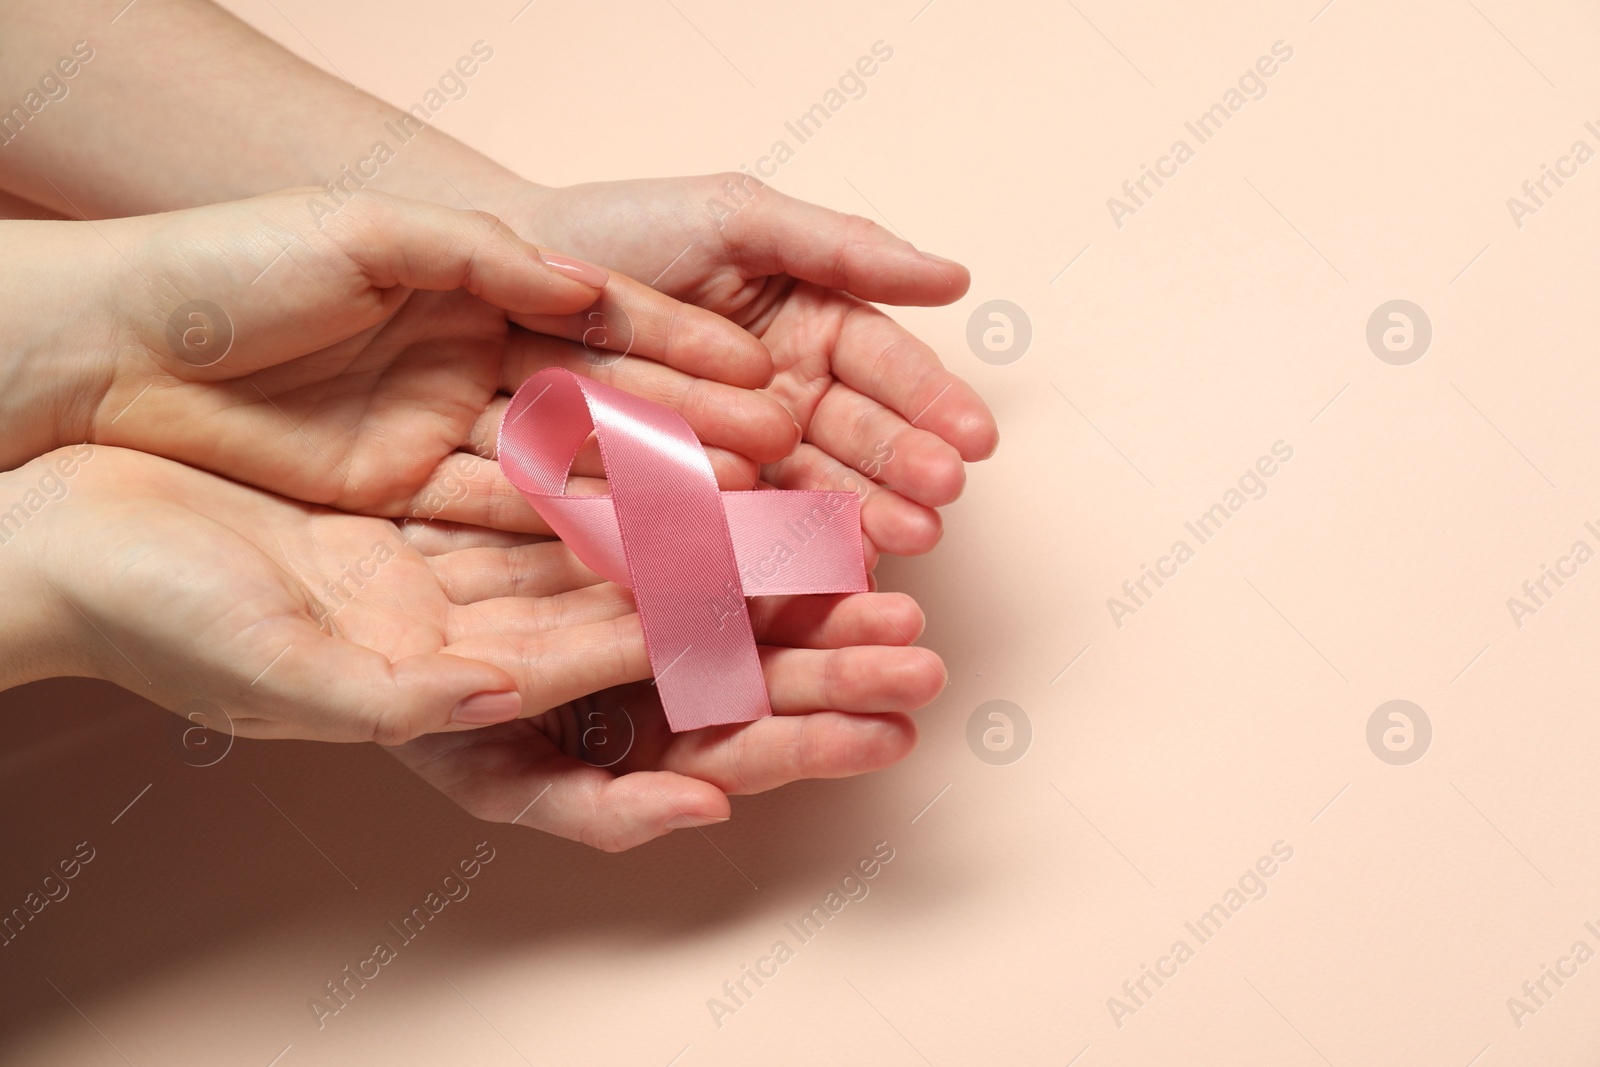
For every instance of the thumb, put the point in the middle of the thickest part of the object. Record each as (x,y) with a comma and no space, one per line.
(777,234)
(412,244)
(331,689)
(276,281)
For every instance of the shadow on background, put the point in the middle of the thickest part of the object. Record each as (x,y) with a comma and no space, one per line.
(298,855)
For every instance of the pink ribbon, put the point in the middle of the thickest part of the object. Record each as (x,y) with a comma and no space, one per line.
(690,552)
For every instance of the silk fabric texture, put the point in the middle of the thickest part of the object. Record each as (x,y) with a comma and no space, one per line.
(690,551)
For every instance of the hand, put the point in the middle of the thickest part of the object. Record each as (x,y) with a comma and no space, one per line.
(299,621)
(295,620)
(878,412)
(606,771)
(351,359)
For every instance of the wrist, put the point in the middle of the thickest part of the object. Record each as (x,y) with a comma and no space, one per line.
(58,335)
(523,206)
(39,630)
(441,170)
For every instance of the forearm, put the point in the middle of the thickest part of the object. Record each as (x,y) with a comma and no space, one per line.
(182,104)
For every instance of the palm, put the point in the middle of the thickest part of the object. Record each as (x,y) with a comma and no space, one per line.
(360,364)
(295,618)
(876,410)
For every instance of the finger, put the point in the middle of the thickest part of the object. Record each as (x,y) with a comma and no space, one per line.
(614,814)
(732,470)
(870,678)
(520,619)
(541,569)
(474,491)
(777,234)
(775,751)
(728,416)
(413,244)
(512,774)
(333,276)
(341,691)
(879,358)
(556,666)
(637,320)
(881,445)
(836,621)
(891,523)
(435,537)
(483,439)
(469,489)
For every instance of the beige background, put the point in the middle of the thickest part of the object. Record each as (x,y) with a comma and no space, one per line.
(1228,714)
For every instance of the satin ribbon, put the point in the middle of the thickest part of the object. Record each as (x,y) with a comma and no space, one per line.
(690,552)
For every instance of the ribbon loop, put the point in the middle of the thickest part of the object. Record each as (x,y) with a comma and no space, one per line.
(690,552)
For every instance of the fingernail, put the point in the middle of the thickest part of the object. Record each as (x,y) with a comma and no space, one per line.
(799,431)
(486,709)
(684,822)
(940,259)
(577,269)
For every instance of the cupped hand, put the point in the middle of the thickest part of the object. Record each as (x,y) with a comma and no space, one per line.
(879,413)
(300,621)
(296,620)
(360,359)
(606,771)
